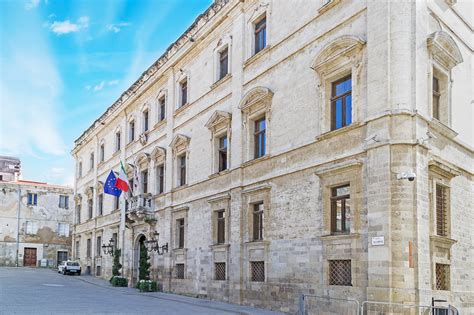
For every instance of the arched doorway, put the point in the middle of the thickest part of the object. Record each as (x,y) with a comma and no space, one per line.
(140,240)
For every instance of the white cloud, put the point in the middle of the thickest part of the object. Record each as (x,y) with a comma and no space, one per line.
(117,27)
(66,27)
(113,82)
(99,86)
(88,87)
(32,4)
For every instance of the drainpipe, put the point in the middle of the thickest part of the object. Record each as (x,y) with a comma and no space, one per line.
(18,225)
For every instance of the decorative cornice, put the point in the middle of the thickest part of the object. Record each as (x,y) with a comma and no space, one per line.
(444,49)
(186,37)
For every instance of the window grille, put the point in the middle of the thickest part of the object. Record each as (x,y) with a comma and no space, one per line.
(180,271)
(219,269)
(257,269)
(441,210)
(340,272)
(97,271)
(442,277)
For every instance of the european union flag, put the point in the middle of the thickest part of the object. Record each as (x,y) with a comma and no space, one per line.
(109,186)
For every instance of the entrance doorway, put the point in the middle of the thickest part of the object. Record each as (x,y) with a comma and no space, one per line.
(62,256)
(136,257)
(29,257)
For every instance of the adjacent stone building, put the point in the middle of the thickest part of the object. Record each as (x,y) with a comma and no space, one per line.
(35,220)
(287,147)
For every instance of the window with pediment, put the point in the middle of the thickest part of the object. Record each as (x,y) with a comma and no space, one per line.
(256,115)
(158,157)
(180,148)
(445,55)
(219,125)
(339,66)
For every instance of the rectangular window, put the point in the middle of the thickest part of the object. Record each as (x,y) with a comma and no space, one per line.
(260,35)
(88,253)
(78,214)
(80,169)
(145,181)
(180,232)
(179,271)
(100,204)
(145,120)
(117,141)
(442,277)
(89,208)
(32,199)
(115,239)
(219,271)
(341,103)
(131,135)
(160,173)
(116,203)
(183,86)
(31,227)
(223,63)
(257,271)
(102,152)
(98,244)
(97,271)
(63,202)
(91,161)
(162,104)
(340,210)
(340,272)
(222,153)
(257,217)
(220,227)
(436,97)
(442,200)
(63,229)
(260,138)
(78,250)
(182,169)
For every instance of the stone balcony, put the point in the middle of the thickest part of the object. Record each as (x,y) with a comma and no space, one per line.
(140,209)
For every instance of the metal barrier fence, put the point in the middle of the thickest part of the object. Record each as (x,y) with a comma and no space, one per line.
(325,305)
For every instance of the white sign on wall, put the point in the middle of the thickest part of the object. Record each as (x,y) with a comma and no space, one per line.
(378,240)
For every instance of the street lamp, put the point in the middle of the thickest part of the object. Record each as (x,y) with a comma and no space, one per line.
(152,244)
(109,248)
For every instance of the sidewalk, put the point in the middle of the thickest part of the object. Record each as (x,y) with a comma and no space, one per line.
(203,303)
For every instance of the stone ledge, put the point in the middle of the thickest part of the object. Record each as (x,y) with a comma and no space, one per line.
(256,56)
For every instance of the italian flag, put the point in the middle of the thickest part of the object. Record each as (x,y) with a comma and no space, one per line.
(122,180)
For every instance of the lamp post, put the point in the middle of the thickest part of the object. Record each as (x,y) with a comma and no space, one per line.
(152,244)
(109,248)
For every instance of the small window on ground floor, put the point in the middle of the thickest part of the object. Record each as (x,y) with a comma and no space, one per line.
(219,271)
(179,271)
(340,272)
(257,270)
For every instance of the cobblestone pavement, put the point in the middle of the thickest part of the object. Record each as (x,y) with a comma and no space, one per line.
(43,291)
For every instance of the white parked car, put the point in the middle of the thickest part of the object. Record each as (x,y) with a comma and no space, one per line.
(69,266)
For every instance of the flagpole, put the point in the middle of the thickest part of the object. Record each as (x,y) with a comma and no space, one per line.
(122,232)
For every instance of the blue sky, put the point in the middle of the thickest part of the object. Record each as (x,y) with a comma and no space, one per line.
(64,62)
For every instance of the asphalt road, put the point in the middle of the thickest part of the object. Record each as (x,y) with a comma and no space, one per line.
(42,291)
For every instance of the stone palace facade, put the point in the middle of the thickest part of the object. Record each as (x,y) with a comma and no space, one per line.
(286,147)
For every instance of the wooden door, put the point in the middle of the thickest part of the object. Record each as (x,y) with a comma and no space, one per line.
(29,258)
